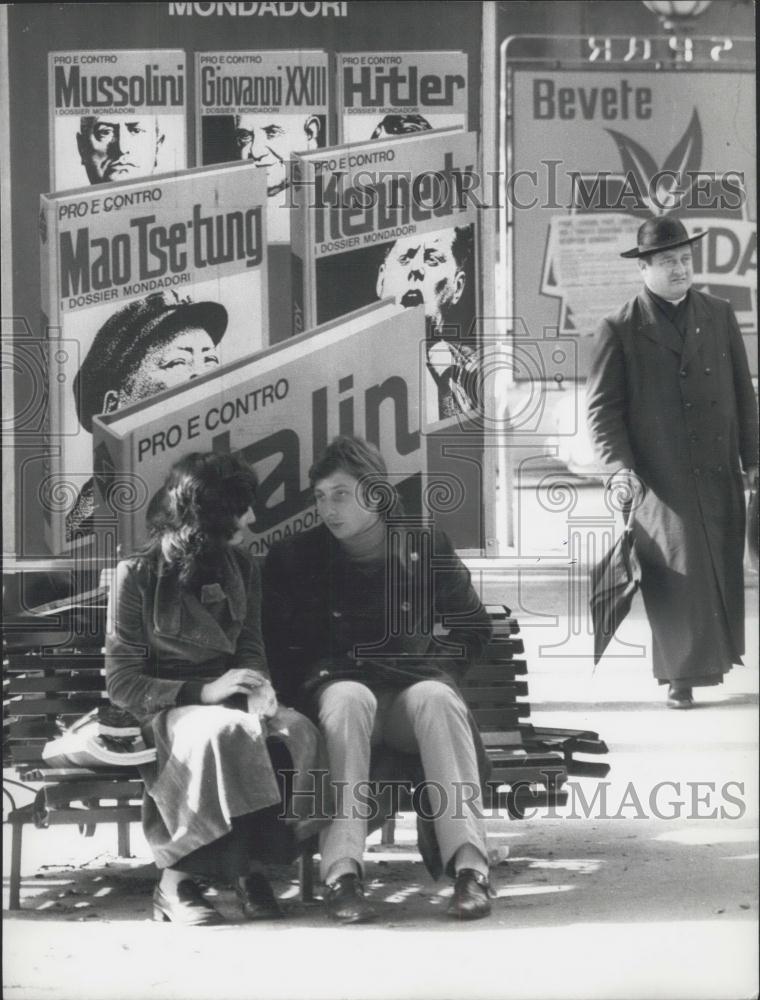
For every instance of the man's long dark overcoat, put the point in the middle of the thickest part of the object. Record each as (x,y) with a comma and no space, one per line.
(681,412)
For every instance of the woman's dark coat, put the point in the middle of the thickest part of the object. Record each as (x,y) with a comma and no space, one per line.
(162,644)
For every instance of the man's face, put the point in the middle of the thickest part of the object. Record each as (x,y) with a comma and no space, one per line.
(272,144)
(668,273)
(422,270)
(188,355)
(116,148)
(339,504)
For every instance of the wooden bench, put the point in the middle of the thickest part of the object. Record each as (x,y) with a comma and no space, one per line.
(48,685)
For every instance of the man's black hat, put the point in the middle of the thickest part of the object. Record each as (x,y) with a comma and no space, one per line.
(661,233)
(125,337)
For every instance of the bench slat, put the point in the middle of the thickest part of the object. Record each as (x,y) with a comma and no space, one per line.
(83,774)
(30,728)
(58,706)
(500,738)
(501,645)
(500,718)
(511,649)
(64,793)
(91,815)
(17,640)
(25,664)
(497,611)
(505,671)
(507,627)
(72,682)
(24,755)
(509,757)
(494,693)
(579,739)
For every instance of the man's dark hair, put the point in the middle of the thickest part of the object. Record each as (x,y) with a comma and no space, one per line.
(363,461)
(395,124)
(87,122)
(352,455)
(461,246)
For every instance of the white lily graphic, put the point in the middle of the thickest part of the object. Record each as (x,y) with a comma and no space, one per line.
(663,189)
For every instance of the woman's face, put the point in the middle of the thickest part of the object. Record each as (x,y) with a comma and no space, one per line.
(246,519)
(341,506)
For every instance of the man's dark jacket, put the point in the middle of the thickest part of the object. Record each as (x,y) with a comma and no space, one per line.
(325,618)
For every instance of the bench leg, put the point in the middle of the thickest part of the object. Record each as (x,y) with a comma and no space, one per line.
(122,836)
(306,877)
(15,886)
(388,836)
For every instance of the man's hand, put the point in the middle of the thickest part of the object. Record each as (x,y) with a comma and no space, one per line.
(235,681)
(752,476)
(627,488)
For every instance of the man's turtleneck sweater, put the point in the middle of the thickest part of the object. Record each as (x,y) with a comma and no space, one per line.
(366,547)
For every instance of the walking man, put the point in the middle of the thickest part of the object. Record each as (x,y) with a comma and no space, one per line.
(672,414)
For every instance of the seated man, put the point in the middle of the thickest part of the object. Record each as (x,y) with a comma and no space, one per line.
(348,629)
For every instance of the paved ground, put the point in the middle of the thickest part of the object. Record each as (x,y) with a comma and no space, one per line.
(605,900)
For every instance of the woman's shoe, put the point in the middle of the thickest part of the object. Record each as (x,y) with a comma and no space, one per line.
(257,899)
(189,907)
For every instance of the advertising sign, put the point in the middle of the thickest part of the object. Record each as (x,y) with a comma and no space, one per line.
(625,145)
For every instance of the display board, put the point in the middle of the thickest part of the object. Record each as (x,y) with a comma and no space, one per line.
(596,137)
(94,38)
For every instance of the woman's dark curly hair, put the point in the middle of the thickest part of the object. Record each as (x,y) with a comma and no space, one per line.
(194,515)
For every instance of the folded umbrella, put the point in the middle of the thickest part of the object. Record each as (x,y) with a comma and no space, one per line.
(614,581)
(753,525)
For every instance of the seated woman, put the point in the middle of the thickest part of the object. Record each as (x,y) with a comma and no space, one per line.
(184,655)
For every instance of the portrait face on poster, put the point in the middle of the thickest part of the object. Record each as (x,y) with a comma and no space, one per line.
(404,124)
(434,269)
(428,269)
(359,128)
(154,343)
(114,148)
(97,149)
(269,141)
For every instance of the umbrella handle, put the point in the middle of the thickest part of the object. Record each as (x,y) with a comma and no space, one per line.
(629,518)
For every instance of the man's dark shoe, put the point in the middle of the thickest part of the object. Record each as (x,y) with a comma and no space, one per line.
(257,900)
(679,696)
(345,901)
(189,907)
(471,896)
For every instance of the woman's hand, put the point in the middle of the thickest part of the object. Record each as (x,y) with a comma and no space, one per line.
(263,701)
(235,681)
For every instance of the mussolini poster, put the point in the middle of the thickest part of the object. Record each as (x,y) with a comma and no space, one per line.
(625,143)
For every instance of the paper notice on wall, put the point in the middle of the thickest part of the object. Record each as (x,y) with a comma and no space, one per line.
(583,267)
